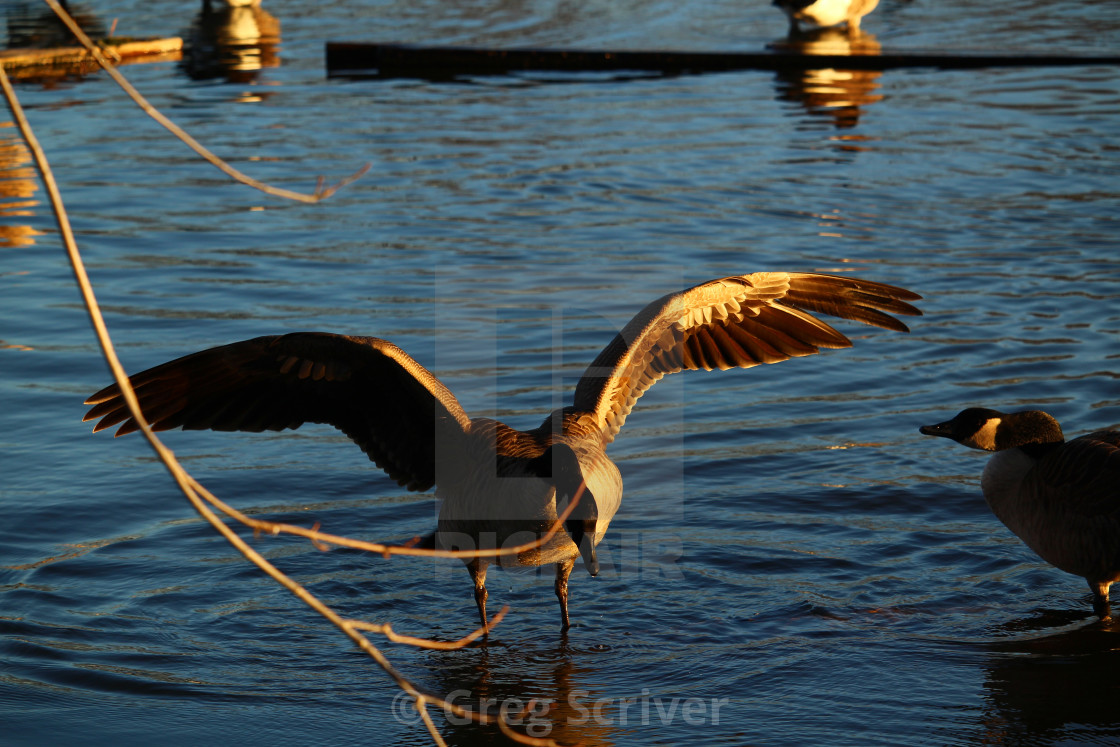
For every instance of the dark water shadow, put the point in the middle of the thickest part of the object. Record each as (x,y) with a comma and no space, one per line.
(1055,688)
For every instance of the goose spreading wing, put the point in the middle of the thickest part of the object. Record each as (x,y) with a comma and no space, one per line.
(396,410)
(733,322)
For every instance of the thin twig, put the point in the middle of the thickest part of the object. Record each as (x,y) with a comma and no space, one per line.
(321,192)
(388,632)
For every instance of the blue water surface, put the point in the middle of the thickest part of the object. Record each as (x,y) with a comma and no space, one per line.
(792,564)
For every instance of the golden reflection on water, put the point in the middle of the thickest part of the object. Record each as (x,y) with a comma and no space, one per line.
(235,41)
(568,707)
(18,184)
(831,92)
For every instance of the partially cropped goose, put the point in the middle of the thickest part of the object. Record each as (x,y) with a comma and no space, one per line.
(1062,498)
(501,487)
(825,13)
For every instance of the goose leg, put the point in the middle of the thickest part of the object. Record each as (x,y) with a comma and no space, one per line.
(1100,598)
(563,570)
(477,569)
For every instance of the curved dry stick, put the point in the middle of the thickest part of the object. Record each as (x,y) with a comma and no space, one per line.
(187,483)
(320,193)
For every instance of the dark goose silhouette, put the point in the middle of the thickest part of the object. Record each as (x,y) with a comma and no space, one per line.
(1062,498)
(501,487)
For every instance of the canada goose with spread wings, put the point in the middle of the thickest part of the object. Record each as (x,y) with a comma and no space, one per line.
(501,486)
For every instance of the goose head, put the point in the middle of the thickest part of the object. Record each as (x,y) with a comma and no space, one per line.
(992,430)
(560,466)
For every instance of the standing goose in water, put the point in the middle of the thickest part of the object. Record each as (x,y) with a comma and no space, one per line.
(501,487)
(1062,498)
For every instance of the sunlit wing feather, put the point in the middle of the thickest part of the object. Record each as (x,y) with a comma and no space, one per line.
(399,413)
(734,322)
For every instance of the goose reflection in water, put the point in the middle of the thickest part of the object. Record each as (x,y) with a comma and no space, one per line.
(34,26)
(541,689)
(18,184)
(1057,689)
(233,40)
(830,92)
(556,692)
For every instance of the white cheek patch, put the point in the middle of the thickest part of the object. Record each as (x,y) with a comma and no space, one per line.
(985,438)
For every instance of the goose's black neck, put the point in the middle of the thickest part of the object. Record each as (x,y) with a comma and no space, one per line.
(1033,431)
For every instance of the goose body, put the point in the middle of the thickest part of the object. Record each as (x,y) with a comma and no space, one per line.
(1062,498)
(825,13)
(501,487)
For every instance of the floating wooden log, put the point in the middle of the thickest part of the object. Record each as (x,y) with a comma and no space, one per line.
(413,61)
(58,61)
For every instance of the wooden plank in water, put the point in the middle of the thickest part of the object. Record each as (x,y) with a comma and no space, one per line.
(413,61)
(34,63)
